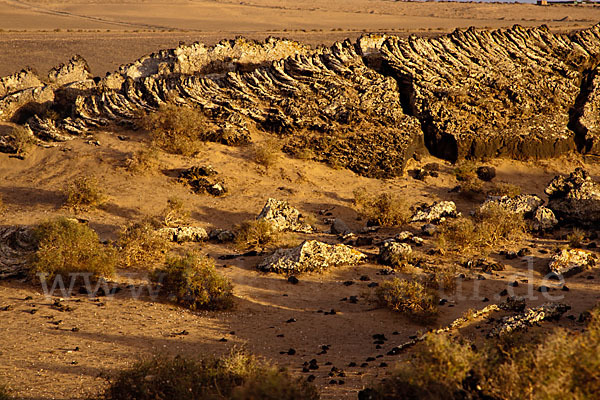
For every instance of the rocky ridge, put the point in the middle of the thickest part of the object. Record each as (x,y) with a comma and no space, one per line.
(367,106)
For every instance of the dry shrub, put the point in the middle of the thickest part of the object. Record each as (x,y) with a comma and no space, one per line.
(141,246)
(237,376)
(177,130)
(143,161)
(385,209)
(576,237)
(409,297)
(465,171)
(484,230)
(195,283)
(256,233)
(84,193)
(175,214)
(440,277)
(266,153)
(559,365)
(4,393)
(504,189)
(21,140)
(66,246)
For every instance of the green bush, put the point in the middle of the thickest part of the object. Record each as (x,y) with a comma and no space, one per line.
(177,130)
(195,283)
(66,246)
(256,233)
(409,297)
(84,193)
(141,246)
(237,376)
(384,209)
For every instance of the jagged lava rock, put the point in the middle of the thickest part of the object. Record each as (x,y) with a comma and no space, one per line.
(436,212)
(528,318)
(544,219)
(183,234)
(391,252)
(484,93)
(571,261)
(283,216)
(311,255)
(521,204)
(16,243)
(575,198)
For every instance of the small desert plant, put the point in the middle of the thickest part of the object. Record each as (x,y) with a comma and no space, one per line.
(384,209)
(177,130)
(576,237)
(175,213)
(465,171)
(143,161)
(237,376)
(441,277)
(140,245)
(504,189)
(84,193)
(21,140)
(66,246)
(256,233)
(195,283)
(266,153)
(408,297)
(484,230)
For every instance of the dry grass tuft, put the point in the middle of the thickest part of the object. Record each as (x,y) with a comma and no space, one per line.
(256,234)
(175,214)
(576,237)
(143,161)
(409,297)
(84,193)
(21,140)
(195,283)
(385,209)
(177,130)
(504,189)
(266,153)
(484,230)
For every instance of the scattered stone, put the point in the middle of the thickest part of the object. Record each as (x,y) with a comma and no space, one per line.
(293,280)
(521,204)
(435,213)
(429,229)
(392,253)
(202,179)
(486,173)
(291,320)
(373,284)
(183,234)
(339,227)
(283,217)
(221,235)
(311,255)
(571,261)
(528,318)
(575,198)
(524,252)
(544,219)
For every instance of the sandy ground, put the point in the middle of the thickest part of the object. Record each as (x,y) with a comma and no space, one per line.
(42,34)
(40,360)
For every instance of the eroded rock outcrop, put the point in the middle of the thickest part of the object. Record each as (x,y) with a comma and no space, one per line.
(311,255)
(393,253)
(16,243)
(568,262)
(525,204)
(483,93)
(182,234)
(528,318)
(575,198)
(436,212)
(283,217)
